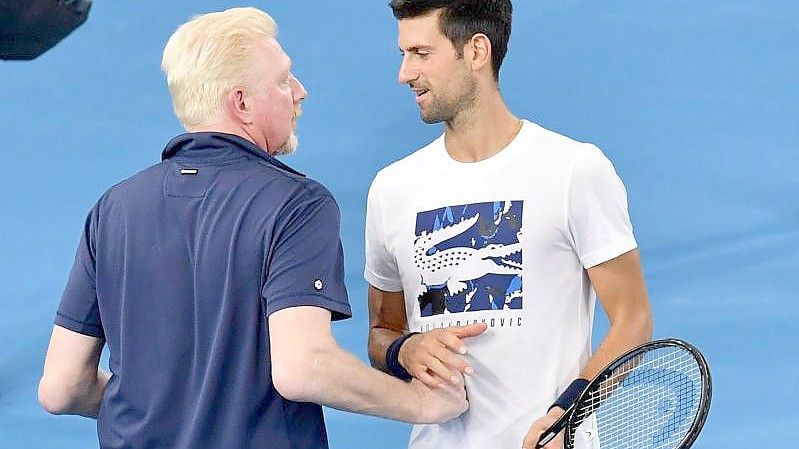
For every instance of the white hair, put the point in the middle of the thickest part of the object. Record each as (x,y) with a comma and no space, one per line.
(210,55)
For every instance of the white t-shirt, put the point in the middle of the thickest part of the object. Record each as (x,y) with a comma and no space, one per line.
(505,241)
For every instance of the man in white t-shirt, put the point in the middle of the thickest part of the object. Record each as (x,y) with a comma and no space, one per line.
(499,232)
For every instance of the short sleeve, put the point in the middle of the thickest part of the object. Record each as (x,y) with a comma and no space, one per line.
(79,310)
(598,220)
(305,259)
(381,266)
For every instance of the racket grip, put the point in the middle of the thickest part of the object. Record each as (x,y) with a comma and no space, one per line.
(546,438)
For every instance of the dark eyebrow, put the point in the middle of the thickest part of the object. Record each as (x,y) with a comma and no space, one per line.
(417,48)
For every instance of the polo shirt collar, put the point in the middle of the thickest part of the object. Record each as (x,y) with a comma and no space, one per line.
(213,146)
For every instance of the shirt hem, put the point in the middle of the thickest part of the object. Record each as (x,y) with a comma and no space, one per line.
(609,252)
(382,283)
(78,326)
(339,310)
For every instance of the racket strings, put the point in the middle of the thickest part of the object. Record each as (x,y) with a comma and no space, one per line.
(649,401)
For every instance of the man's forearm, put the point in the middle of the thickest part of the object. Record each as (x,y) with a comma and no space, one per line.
(335,378)
(380,339)
(620,338)
(309,366)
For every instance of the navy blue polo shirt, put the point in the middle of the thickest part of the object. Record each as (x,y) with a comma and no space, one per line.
(178,269)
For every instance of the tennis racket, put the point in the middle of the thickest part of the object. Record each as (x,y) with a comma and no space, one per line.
(655,396)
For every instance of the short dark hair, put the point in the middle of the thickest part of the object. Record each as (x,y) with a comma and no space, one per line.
(462,19)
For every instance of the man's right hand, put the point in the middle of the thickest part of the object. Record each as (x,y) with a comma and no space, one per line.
(434,356)
(437,405)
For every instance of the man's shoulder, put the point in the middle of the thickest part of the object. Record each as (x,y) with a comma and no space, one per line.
(412,162)
(579,160)
(282,178)
(286,189)
(554,141)
(134,182)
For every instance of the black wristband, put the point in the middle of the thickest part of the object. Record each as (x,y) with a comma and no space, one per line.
(567,398)
(392,358)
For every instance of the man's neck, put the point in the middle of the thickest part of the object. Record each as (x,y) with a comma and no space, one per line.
(482,131)
(225,127)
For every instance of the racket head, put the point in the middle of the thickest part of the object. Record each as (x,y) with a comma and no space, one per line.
(656,396)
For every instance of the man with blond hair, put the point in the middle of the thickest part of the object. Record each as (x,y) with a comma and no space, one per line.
(213,276)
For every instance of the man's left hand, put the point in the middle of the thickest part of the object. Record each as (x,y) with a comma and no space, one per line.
(540,426)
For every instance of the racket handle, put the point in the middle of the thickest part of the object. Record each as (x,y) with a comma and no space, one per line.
(553,430)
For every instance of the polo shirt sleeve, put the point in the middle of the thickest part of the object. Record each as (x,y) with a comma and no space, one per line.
(599,223)
(78,310)
(305,260)
(381,270)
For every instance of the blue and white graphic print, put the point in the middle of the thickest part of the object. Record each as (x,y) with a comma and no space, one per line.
(469,258)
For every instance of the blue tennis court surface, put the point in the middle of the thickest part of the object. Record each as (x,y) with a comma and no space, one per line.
(696,103)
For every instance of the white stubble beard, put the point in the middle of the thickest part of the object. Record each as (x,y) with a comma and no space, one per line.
(292,142)
(289,147)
